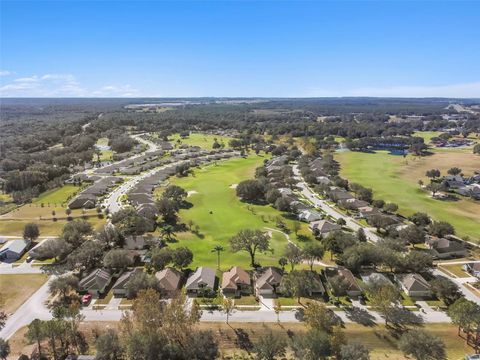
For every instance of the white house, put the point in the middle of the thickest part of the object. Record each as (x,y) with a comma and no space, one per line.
(14,249)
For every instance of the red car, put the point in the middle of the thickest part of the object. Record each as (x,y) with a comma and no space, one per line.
(86,299)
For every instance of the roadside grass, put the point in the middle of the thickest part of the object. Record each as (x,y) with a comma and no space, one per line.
(57,196)
(24,285)
(379,340)
(219,214)
(205,141)
(394,179)
(456,270)
(106,299)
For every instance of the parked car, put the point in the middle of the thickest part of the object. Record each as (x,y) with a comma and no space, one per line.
(86,299)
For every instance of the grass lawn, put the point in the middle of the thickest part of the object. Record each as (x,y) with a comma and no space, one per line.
(220,215)
(377,339)
(11,297)
(456,270)
(205,141)
(394,179)
(57,196)
(246,300)
(427,135)
(13,227)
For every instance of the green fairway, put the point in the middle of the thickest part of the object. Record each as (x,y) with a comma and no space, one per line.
(427,135)
(57,196)
(220,215)
(205,141)
(394,179)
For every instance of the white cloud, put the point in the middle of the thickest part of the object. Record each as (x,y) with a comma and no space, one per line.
(5,73)
(467,90)
(60,85)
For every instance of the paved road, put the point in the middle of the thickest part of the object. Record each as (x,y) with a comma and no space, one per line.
(460,282)
(330,210)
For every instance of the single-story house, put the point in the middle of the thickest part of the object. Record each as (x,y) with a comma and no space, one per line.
(96,283)
(236,282)
(414,285)
(473,269)
(353,203)
(268,281)
(339,195)
(352,289)
(323,227)
(83,201)
(323,180)
(367,211)
(14,249)
(136,242)
(120,287)
(202,279)
(444,248)
(309,215)
(169,280)
(375,277)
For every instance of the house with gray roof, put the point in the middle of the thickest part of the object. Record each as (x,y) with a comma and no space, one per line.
(119,289)
(414,285)
(442,248)
(96,282)
(202,279)
(14,249)
(323,227)
(309,215)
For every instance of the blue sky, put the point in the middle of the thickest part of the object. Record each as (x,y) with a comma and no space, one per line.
(281,49)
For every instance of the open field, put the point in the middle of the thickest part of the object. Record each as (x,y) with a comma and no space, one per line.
(219,214)
(105,153)
(394,179)
(24,285)
(205,141)
(377,339)
(57,196)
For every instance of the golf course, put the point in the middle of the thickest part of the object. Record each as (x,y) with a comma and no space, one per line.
(219,215)
(395,179)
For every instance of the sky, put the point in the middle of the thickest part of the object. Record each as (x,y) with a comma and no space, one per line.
(239,49)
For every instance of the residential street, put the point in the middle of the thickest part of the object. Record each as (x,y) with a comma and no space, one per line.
(330,210)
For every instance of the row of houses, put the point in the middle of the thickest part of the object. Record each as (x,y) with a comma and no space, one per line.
(90,197)
(464,186)
(238,282)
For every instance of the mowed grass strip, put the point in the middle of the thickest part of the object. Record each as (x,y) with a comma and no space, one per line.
(219,215)
(15,289)
(395,179)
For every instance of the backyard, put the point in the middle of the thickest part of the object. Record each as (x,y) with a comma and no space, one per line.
(395,179)
(219,214)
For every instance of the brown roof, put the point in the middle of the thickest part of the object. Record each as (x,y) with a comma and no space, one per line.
(234,277)
(269,279)
(169,279)
(415,282)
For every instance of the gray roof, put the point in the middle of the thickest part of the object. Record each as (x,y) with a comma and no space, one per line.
(98,279)
(203,276)
(17,246)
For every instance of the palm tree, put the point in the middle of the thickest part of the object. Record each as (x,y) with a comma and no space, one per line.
(218,249)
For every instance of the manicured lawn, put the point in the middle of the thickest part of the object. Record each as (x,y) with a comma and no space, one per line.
(16,289)
(394,179)
(220,215)
(205,141)
(57,196)
(427,135)
(456,270)
(246,300)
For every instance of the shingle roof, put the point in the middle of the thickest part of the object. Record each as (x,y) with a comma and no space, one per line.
(271,277)
(415,282)
(169,279)
(234,277)
(203,275)
(96,280)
